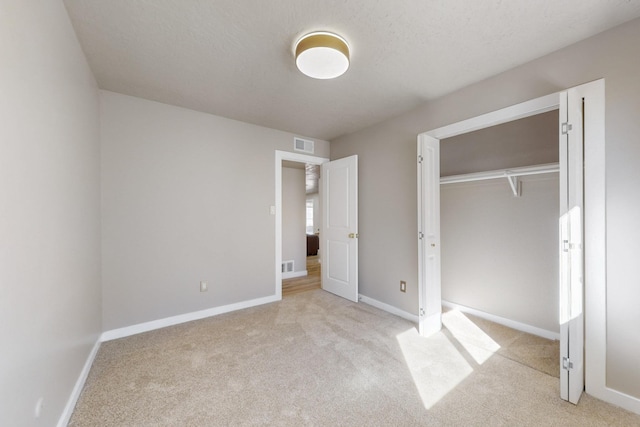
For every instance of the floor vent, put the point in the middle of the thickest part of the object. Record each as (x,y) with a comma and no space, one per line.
(304,145)
(287,267)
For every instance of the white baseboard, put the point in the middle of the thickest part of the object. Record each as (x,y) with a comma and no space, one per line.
(293,274)
(533,330)
(617,398)
(182,318)
(388,308)
(77,388)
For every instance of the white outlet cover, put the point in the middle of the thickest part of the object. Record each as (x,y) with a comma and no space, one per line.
(272,210)
(203,286)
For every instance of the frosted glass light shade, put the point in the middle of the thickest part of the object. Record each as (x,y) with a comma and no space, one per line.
(322,55)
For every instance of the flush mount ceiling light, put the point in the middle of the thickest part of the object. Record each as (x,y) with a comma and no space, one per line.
(322,55)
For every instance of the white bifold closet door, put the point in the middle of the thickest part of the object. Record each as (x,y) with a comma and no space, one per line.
(571,246)
(429,287)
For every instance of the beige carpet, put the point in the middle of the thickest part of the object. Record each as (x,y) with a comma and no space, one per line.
(316,359)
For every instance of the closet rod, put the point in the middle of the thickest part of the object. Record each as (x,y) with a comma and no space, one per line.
(503,173)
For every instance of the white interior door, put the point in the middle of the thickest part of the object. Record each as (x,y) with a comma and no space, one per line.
(339,234)
(571,246)
(429,293)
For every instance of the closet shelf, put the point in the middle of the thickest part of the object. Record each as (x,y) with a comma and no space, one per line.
(511,175)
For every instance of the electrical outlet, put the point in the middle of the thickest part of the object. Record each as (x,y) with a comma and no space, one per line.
(403,286)
(203,287)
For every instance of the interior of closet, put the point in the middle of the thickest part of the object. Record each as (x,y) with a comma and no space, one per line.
(499,221)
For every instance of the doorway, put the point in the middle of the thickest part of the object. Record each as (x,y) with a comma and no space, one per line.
(339,230)
(300,228)
(284,159)
(499,190)
(583,108)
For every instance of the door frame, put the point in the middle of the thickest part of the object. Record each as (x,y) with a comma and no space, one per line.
(595,223)
(505,115)
(293,157)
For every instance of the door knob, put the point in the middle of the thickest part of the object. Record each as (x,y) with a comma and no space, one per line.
(353,235)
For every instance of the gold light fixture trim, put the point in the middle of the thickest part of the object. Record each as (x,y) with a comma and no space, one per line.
(322,55)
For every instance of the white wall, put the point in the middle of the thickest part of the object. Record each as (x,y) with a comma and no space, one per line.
(49,211)
(186,198)
(388,244)
(294,241)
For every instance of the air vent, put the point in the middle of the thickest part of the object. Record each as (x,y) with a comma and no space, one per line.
(304,145)
(287,267)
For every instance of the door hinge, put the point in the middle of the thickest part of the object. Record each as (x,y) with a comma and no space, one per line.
(566,246)
(566,127)
(420,159)
(567,363)
(420,235)
(421,311)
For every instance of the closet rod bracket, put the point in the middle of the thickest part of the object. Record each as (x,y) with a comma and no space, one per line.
(515,184)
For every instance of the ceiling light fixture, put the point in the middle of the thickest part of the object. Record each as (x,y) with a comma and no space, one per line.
(322,55)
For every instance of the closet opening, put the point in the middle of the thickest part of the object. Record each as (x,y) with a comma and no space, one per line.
(499,204)
(579,244)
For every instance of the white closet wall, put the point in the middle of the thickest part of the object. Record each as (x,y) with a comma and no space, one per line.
(500,252)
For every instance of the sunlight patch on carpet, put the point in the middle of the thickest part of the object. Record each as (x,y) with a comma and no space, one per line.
(479,345)
(435,364)
(438,365)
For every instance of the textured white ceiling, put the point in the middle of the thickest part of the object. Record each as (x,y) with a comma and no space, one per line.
(235,58)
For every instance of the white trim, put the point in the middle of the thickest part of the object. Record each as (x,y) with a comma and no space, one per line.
(293,157)
(183,318)
(388,308)
(615,397)
(504,115)
(533,330)
(293,274)
(77,388)
(596,255)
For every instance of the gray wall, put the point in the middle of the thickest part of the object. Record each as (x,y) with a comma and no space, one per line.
(499,252)
(294,243)
(524,142)
(388,246)
(185,198)
(49,211)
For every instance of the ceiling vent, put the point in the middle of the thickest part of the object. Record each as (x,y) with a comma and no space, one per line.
(304,145)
